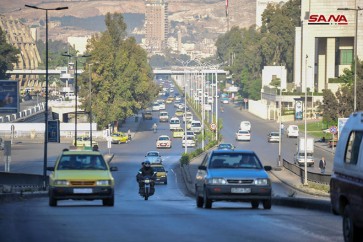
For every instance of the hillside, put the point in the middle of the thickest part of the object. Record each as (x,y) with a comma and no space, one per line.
(198,18)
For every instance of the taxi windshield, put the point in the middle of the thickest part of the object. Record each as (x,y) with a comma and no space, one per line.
(82,162)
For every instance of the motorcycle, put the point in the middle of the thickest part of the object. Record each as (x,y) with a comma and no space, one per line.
(147,187)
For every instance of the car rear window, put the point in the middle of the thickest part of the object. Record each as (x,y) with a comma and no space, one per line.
(235,161)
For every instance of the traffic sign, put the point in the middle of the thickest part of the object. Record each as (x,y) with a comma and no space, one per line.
(333,129)
(213,126)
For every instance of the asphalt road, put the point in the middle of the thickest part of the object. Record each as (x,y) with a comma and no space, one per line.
(169,215)
(260,128)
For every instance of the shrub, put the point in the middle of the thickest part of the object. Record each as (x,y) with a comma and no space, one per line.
(185,159)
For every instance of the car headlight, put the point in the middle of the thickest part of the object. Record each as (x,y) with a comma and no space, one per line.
(216,181)
(103,183)
(262,182)
(61,183)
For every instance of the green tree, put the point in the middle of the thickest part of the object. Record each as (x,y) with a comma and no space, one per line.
(329,106)
(8,56)
(122,79)
(55,50)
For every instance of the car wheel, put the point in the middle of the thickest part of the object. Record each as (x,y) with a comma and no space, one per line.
(266,204)
(165,182)
(207,202)
(52,201)
(255,204)
(108,201)
(198,199)
(350,231)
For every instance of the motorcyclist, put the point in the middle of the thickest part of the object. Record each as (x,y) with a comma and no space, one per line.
(146,171)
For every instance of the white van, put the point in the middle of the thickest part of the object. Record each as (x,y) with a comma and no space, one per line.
(196,126)
(174,123)
(245,126)
(346,183)
(292,131)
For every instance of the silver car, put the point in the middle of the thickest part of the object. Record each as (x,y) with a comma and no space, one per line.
(232,175)
(273,137)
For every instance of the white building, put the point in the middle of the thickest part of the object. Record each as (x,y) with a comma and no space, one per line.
(324,45)
(79,43)
(272,72)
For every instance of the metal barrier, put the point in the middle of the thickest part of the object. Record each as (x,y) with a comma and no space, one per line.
(311,176)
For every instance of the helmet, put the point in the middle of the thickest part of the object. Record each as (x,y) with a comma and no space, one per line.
(147,163)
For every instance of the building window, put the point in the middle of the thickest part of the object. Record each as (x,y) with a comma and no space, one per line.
(352,150)
(346,57)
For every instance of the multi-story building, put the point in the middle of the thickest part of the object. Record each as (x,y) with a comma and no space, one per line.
(324,44)
(20,36)
(156,25)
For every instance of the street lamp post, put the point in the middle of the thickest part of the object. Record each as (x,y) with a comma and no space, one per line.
(305,125)
(280,127)
(76,95)
(90,102)
(46,89)
(357,9)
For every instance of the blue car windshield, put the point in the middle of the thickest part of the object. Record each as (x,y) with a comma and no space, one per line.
(235,161)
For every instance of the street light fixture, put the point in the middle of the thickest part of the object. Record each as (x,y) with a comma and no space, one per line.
(355,51)
(90,102)
(46,89)
(76,94)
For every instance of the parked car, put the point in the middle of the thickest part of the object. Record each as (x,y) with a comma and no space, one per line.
(232,175)
(163,142)
(243,135)
(81,174)
(273,137)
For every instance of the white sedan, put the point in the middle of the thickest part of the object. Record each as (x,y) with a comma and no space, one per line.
(163,142)
(243,135)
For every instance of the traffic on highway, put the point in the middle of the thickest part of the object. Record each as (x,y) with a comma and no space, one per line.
(172,202)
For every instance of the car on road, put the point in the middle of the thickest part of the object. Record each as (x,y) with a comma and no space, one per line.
(225,146)
(174,123)
(292,131)
(189,141)
(153,157)
(245,125)
(233,175)
(81,175)
(196,126)
(187,116)
(163,142)
(273,137)
(147,115)
(161,173)
(119,137)
(163,116)
(178,133)
(179,112)
(243,135)
(84,141)
(156,106)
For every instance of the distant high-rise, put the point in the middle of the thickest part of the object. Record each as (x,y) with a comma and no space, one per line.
(156,25)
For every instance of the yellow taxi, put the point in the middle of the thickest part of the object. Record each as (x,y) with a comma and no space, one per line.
(84,141)
(178,133)
(81,175)
(179,112)
(161,173)
(169,100)
(119,137)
